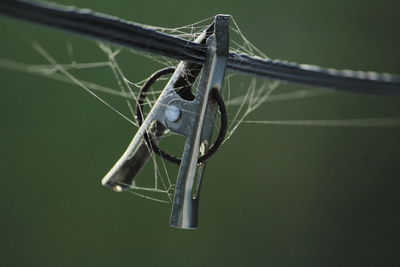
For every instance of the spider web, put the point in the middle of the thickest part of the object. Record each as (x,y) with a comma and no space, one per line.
(242,95)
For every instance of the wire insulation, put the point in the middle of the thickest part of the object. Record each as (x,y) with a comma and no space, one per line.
(135,36)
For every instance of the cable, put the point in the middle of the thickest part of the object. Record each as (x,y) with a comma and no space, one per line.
(112,29)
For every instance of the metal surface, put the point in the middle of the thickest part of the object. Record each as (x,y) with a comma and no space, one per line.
(198,128)
(122,174)
(172,113)
(195,122)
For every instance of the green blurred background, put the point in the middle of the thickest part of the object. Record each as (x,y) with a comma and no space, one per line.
(273,196)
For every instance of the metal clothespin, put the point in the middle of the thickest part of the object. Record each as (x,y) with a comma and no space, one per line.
(192,119)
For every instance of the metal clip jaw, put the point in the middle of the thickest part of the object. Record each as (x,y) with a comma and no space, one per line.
(198,132)
(192,119)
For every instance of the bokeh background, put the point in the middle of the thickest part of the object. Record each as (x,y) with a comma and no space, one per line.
(273,196)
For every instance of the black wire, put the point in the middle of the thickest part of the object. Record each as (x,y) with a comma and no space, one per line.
(132,35)
(104,27)
(151,142)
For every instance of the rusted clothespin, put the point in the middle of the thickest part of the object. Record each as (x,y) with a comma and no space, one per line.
(192,118)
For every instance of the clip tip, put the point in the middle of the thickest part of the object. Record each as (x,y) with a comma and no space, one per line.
(104,181)
(184,227)
(115,187)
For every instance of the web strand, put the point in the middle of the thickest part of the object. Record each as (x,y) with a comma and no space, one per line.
(132,35)
(242,99)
